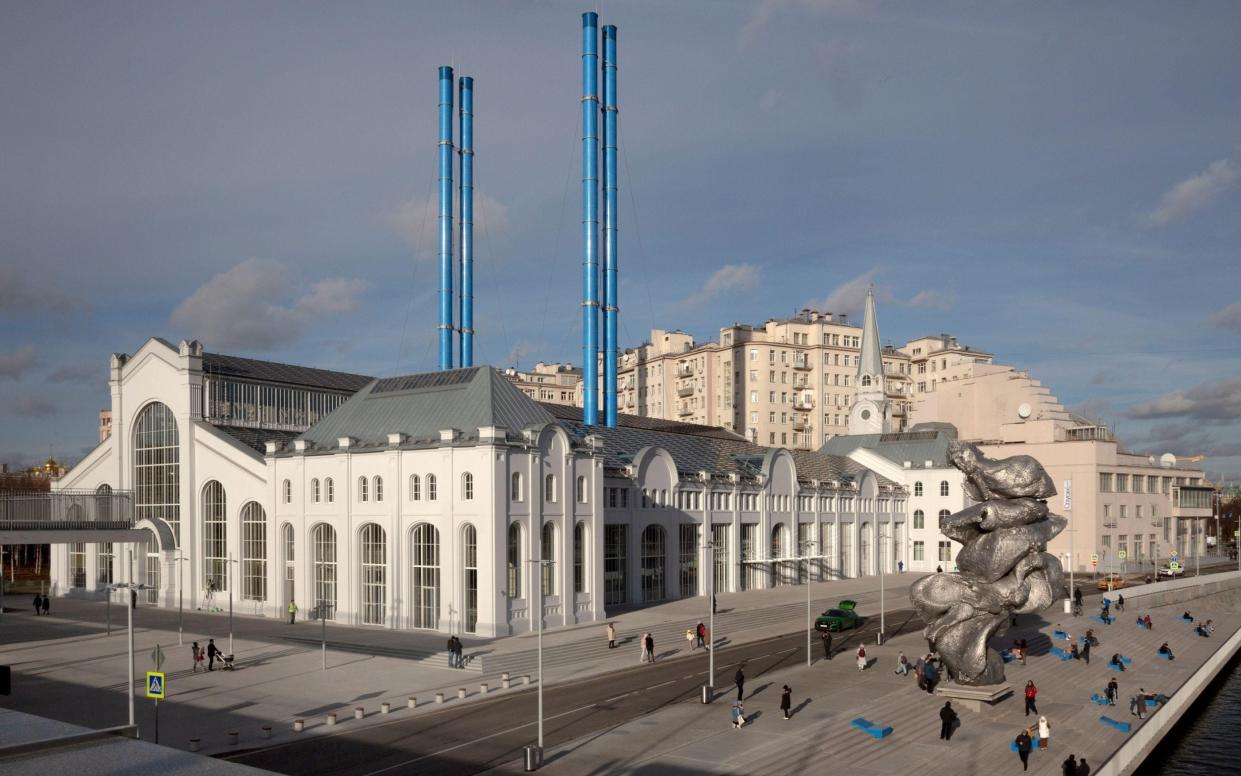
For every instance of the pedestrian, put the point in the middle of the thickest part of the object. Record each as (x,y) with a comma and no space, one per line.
(947,721)
(930,675)
(1120,603)
(1044,732)
(919,672)
(196,657)
(738,714)
(210,593)
(1077,597)
(1117,663)
(649,644)
(1112,692)
(459,648)
(786,700)
(292,611)
(47,602)
(713,609)
(701,631)
(1031,693)
(212,653)
(1086,650)
(642,648)
(1147,622)
(861,657)
(1073,653)
(689,639)
(1024,648)
(739,680)
(939,569)
(611,635)
(38,603)
(1023,748)
(1082,768)
(902,665)
(452,653)
(1142,698)
(900,567)
(827,645)
(1069,766)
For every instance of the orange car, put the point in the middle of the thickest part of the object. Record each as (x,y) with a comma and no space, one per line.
(1111,581)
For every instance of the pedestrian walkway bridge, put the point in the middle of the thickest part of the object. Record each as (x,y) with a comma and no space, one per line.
(41,517)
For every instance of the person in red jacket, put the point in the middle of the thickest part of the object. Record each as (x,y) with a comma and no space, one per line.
(1031,694)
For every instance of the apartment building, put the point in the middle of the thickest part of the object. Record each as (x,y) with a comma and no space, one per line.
(549,382)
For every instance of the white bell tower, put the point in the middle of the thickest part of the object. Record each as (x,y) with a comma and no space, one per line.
(869,414)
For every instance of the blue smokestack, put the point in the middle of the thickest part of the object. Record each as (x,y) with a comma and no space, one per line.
(590,217)
(466,85)
(609,226)
(445,218)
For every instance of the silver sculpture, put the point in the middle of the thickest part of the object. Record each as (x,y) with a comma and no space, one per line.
(1004,568)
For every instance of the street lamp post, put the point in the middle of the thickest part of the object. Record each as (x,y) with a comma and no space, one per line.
(808,545)
(537,761)
(230,603)
(133,587)
(709,690)
(180,561)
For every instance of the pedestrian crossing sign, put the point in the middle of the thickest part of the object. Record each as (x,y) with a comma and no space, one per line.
(155,684)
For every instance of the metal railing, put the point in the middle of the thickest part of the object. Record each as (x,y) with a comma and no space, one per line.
(65,509)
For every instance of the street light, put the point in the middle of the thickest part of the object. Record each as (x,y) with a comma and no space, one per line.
(230,602)
(133,587)
(534,759)
(882,606)
(708,692)
(775,563)
(806,545)
(180,559)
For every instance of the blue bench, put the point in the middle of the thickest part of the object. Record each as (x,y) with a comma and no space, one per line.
(1163,655)
(1102,621)
(1099,700)
(1012,745)
(871,729)
(1060,653)
(1007,656)
(1141,623)
(1061,634)
(1123,727)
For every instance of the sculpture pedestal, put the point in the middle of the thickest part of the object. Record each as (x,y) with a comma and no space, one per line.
(973,698)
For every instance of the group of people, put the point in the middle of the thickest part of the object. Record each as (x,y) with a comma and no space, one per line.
(697,637)
(1018,650)
(1205,629)
(41,603)
(211,654)
(456,654)
(926,670)
(1025,742)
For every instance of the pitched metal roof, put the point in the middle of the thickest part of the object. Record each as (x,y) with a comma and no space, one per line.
(256,438)
(274,372)
(917,447)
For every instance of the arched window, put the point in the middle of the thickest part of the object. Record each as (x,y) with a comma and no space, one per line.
(425,564)
(469,550)
(918,488)
(467,486)
(415,487)
(363,489)
(329,492)
(653,563)
(379,488)
(288,492)
(431,494)
(943,488)
(323,537)
(579,558)
(513,552)
(549,489)
(548,570)
(104,562)
(153,563)
(314,490)
(581,490)
(253,552)
(865,380)
(290,569)
(943,515)
(215,537)
(374,574)
(157,468)
(103,503)
(919,519)
(515,488)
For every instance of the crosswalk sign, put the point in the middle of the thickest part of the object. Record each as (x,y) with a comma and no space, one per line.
(155,684)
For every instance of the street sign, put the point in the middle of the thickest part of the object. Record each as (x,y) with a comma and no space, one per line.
(1173,555)
(155,684)
(1122,554)
(1174,566)
(157,657)
(1094,563)
(1094,557)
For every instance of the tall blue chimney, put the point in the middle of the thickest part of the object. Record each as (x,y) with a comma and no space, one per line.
(609,226)
(467,220)
(445,218)
(590,217)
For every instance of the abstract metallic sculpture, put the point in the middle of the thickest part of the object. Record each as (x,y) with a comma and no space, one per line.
(1004,568)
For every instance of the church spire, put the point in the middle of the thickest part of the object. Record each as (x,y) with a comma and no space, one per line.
(871,362)
(869,413)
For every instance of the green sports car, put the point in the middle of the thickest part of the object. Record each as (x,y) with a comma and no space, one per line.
(843,616)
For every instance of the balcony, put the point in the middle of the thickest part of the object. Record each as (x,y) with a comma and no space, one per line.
(684,410)
(804,402)
(685,370)
(40,517)
(801,361)
(685,390)
(802,442)
(800,424)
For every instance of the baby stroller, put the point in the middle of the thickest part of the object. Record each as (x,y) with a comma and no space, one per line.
(228,662)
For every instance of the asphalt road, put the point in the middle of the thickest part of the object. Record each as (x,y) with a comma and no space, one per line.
(482,735)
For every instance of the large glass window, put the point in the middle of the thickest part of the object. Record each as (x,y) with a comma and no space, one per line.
(425,562)
(470,550)
(157,468)
(514,559)
(846,550)
(615,562)
(77,564)
(805,546)
(290,569)
(549,489)
(374,574)
(865,568)
(153,563)
(943,515)
(548,570)
(826,545)
(653,542)
(780,549)
(918,488)
(215,537)
(719,537)
(253,552)
(579,558)
(943,488)
(328,490)
(750,572)
(323,537)
(690,536)
(919,550)
(103,503)
(363,489)
(105,560)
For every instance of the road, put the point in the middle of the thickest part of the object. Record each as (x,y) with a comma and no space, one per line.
(478,736)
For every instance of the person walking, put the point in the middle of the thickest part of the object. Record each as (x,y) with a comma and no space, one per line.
(1140,702)
(1069,766)
(701,633)
(738,715)
(1031,693)
(292,611)
(47,603)
(1145,621)
(1044,732)
(642,648)
(861,657)
(1077,597)
(919,669)
(900,567)
(649,643)
(1083,769)
(902,665)
(947,721)
(1023,748)
(689,639)
(1024,649)
(739,680)
(38,603)
(196,657)
(611,635)
(1112,692)
(930,675)
(827,645)
(452,653)
(1120,603)
(1086,651)
(212,653)
(786,700)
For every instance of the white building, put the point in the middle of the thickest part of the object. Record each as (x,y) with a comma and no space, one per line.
(419,501)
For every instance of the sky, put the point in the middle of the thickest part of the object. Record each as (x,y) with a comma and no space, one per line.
(1058,183)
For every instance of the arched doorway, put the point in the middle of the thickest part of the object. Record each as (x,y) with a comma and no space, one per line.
(425,578)
(373,542)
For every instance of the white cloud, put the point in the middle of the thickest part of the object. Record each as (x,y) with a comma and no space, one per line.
(418,223)
(255,306)
(14,365)
(1228,318)
(848,297)
(931,299)
(1196,192)
(1211,401)
(729,277)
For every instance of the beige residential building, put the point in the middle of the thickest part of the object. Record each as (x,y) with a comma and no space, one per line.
(555,383)
(105,424)
(940,358)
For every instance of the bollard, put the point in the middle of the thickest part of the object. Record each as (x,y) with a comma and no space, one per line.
(331,719)
(358,712)
(505,683)
(525,678)
(460,693)
(412,702)
(385,707)
(504,676)
(267,731)
(439,697)
(299,725)
(194,744)
(232,738)
(482,689)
